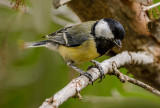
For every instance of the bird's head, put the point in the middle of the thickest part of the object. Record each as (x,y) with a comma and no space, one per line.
(110,30)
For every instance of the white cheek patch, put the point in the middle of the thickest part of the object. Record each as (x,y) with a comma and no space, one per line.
(102,30)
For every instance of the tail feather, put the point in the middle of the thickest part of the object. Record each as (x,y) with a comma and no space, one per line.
(36,44)
(46,43)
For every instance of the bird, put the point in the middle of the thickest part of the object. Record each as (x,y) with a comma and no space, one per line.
(84,42)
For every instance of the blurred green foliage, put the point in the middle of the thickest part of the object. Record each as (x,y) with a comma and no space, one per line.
(29,76)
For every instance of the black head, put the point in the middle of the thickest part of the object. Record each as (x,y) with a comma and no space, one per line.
(116,28)
(109,29)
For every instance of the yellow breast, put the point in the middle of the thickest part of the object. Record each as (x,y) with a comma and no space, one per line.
(83,53)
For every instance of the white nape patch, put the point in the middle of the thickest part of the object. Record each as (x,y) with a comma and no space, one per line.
(102,30)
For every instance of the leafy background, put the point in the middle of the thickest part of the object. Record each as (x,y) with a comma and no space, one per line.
(29,76)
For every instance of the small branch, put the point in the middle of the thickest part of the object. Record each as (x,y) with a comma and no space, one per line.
(76,85)
(145,8)
(124,78)
(5,3)
(67,14)
(57,3)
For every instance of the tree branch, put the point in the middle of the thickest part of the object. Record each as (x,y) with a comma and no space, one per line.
(76,85)
(146,8)
(124,78)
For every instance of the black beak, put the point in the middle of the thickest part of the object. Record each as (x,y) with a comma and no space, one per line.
(117,42)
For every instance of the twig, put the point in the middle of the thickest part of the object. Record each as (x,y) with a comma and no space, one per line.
(145,8)
(76,85)
(57,3)
(124,78)
(67,13)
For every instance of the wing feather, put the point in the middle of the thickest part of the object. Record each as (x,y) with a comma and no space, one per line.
(72,36)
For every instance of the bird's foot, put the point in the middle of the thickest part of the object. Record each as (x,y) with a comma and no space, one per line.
(99,67)
(88,75)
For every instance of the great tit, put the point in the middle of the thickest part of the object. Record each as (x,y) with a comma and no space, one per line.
(84,42)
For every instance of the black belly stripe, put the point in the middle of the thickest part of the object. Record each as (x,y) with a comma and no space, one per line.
(103,45)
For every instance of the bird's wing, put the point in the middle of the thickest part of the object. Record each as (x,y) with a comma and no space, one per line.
(59,31)
(73,35)
(69,40)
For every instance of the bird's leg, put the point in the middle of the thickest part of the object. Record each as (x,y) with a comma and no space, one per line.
(99,67)
(88,75)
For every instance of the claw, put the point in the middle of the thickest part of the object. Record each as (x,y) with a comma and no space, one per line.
(90,67)
(88,75)
(99,67)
